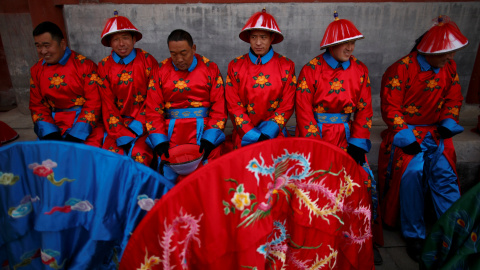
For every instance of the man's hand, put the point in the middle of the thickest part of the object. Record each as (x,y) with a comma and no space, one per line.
(444,132)
(206,147)
(357,153)
(55,136)
(412,149)
(262,137)
(162,149)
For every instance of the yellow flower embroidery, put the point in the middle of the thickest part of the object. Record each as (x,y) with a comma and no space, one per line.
(274,104)
(90,117)
(105,59)
(261,80)
(249,108)
(139,98)
(239,121)
(336,85)
(151,84)
(303,85)
(168,105)
(454,111)
(280,119)
(125,77)
(219,80)
(35,117)
(112,120)
(360,106)
(181,85)
(119,104)
(80,57)
(312,129)
(294,79)
(164,61)
(319,109)
(440,104)
(139,158)
(369,123)
(228,80)
(411,109)
(147,72)
(205,60)
(56,81)
(415,132)
(79,101)
(313,62)
(432,84)
(220,124)
(398,121)
(406,60)
(241,199)
(196,104)
(51,103)
(399,163)
(395,82)
(456,79)
(148,126)
(348,109)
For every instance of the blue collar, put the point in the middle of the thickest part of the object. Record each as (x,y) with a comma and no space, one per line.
(64,59)
(192,66)
(126,60)
(267,57)
(334,63)
(424,65)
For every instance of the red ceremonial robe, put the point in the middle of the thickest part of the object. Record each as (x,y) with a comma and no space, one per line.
(278,205)
(65,98)
(414,97)
(260,98)
(124,92)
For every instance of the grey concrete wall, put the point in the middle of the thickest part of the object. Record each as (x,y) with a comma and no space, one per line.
(389,29)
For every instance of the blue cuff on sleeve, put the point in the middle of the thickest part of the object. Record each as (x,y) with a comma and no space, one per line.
(43,128)
(80,130)
(124,140)
(451,125)
(214,135)
(365,144)
(251,137)
(136,126)
(403,138)
(157,139)
(269,128)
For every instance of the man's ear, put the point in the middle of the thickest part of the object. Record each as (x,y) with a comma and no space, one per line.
(63,44)
(194,48)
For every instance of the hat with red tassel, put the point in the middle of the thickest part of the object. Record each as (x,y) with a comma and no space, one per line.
(118,24)
(339,31)
(261,21)
(443,37)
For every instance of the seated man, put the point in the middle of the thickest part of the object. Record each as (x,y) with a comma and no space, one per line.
(64,99)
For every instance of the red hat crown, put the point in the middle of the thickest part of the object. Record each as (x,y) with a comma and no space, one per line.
(261,21)
(118,24)
(339,31)
(443,37)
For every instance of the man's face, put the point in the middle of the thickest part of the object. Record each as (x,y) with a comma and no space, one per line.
(439,60)
(342,52)
(260,41)
(49,49)
(122,43)
(182,54)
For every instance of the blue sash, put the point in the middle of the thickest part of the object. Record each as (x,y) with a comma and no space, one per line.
(333,118)
(198,113)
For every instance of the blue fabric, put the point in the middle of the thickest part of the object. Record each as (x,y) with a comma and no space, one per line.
(200,127)
(424,65)
(452,125)
(81,130)
(125,61)
(64,59)
(251,137)
(171,126)
(156,139)
(269,128)
(66,200)
(43,128)
(440,180)
(136,126)
(124,140)
(365,144)
(334,63)
(186,113)
(404,137)
(267,57)
(192,66)
(214,135)
(333,118)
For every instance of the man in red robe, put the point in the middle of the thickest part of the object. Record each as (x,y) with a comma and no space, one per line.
(126,75)
(260,86)
(64,99)
(185,101)
(421,100)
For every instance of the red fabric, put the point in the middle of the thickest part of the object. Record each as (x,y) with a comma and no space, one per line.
(443,37)
(339,31)
(410,96)
(170,89)
(124,91)
(321,89)
(63,87)
(261,21)
(118,24)
(313,211)
(257,93)
(7,133)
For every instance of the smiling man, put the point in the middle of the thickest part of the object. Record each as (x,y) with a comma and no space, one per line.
(185,101)
(125,74)
(260,86)
(421,100)
(64,98)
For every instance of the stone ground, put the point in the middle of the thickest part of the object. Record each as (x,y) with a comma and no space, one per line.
(394,254)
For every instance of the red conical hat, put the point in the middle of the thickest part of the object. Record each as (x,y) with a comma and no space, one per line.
(184,158)
(339,31)
(261,21)
(443,37)
(118,24)
(7,133)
